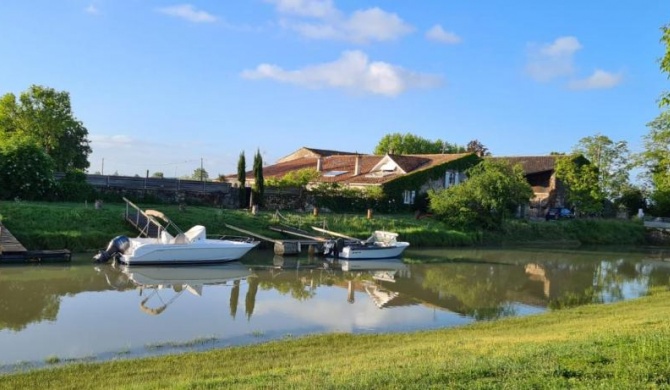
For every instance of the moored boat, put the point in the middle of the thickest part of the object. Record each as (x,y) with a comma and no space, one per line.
(380,245)
(177,248)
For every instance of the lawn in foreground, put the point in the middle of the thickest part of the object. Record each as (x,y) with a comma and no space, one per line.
(622,345)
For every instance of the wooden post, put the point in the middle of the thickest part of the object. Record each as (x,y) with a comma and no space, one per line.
(369,213)
(316,211)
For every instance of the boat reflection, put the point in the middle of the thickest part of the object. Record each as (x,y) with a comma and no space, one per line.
(371,276)
(178,279)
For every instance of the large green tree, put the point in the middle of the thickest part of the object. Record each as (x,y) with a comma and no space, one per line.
(581,183)
(493,192)
(45,116)
(259,181)
(613,160)
(655,160)
(665,62)
(397,143)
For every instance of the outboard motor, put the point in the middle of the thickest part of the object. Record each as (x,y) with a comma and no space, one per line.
(334,248)
(119,244)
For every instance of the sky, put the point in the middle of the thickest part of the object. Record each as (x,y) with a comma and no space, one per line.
(170,86)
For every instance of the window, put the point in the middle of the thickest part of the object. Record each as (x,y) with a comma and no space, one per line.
(333,173)
(408,196)
(452,178)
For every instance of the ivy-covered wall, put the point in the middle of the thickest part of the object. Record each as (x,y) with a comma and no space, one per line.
(393,191)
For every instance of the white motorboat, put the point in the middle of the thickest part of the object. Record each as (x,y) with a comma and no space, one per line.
(190,247)
(380,245)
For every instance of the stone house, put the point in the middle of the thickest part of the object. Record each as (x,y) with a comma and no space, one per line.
(402,177)
(406,177)
(540,172)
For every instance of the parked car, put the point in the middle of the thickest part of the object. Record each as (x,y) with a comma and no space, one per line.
(559,213)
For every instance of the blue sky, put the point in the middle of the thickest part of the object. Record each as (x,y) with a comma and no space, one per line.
(164,85)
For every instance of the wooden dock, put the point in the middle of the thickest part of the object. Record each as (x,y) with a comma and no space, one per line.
(12,251)
(286,247)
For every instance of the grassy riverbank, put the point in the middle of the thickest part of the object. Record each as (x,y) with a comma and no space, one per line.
(622,345)
(80,227)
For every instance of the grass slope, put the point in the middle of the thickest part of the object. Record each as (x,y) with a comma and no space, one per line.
(623,346)
(81,227)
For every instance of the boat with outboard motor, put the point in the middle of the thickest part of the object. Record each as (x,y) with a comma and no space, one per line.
(380,245)
(190,247)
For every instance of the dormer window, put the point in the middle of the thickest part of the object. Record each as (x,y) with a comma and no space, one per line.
(388,166)
(334,173)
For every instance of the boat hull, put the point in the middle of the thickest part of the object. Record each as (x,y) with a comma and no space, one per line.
(373,252)
(147,252)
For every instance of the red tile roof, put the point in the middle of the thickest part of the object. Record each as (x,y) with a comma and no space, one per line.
(342,167)
(531,164)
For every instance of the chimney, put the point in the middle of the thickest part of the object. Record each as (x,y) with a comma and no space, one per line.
(319,163)
(357,167)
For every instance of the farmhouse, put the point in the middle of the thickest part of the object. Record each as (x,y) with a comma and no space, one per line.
(401,177)
(404,177)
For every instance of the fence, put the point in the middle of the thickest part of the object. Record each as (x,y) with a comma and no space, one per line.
(153,183)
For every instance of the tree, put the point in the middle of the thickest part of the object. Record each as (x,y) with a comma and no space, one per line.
(259,183)
(581,181)
(299,178)
(478,148)
(158,175)
(45,116)
(493,192)
(632,199)
(397,143)
(655,159)
(26,171)
(242,179)
(665,63)
(200,174)
(612,160)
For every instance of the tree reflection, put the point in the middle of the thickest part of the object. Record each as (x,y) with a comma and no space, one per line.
(250,299)
(234,298)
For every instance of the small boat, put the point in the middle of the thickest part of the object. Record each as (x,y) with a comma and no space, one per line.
(177,248)
(380,245)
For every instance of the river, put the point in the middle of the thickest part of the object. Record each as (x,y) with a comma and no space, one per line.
(89,312)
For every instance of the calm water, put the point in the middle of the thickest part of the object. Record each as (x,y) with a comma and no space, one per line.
(102,312)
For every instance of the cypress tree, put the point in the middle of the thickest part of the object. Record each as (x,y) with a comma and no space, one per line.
(242,179)
(259,184)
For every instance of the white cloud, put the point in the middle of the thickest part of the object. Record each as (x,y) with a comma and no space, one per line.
(438,34)
(309,8)
(600,79)
(352,71)
(188,12)
(92,9)
(549,61)
(319,19)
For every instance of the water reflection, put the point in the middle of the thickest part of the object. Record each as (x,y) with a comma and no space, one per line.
(153,282)
(280,296)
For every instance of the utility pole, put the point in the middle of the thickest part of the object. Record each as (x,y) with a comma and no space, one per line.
(102,172)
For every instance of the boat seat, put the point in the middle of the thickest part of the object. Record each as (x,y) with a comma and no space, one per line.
(166,238)
(180,239)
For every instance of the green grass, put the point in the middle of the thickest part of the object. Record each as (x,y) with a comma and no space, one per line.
(619,346)
(80,227)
